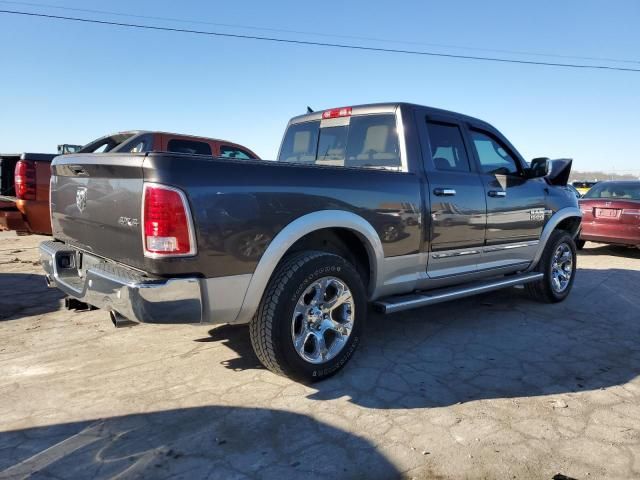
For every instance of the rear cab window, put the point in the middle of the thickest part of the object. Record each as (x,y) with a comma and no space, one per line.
(106,144)
(360,141)
(227,151)
(137,144)
(188,146)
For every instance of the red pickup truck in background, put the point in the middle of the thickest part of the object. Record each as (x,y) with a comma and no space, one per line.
(24,177)
(24,192)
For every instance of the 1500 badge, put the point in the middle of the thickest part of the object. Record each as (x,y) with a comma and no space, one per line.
(538,214)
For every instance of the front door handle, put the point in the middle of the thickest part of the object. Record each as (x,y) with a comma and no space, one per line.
(497,193)
(444,192)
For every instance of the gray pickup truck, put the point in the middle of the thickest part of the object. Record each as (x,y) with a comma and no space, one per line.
(395,205)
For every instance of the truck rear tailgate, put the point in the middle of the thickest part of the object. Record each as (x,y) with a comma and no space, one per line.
(96,204)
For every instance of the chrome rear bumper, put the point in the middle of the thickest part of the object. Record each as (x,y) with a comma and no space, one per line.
(120,289)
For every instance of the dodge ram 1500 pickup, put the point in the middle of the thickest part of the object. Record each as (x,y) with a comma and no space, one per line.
(397,205)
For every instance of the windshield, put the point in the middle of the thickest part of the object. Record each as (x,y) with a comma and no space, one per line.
(615,191)
(106,144)
(367,141)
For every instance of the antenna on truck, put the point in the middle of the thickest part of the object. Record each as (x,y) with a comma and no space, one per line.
(309,109)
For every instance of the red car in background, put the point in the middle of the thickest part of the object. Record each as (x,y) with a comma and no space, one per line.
(611,213)
(24,178)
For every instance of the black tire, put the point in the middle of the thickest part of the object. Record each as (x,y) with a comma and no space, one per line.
(271,327)
(543,290)
(580,244)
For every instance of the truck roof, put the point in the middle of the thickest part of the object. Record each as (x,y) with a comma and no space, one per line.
(390,107)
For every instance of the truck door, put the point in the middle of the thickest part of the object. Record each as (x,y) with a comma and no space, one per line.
(457,198)
(515,203)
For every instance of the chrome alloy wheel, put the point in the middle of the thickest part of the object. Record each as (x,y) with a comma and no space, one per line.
(322,320)
(561,268)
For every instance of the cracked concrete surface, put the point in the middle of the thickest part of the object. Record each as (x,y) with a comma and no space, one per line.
(494,386)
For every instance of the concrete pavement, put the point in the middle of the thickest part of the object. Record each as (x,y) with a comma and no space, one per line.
(494,386)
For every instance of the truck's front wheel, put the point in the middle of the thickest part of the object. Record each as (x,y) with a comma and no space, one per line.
(558,265)
(311,316)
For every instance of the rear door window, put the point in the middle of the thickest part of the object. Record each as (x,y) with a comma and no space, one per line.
(188,146)
(367,141)
(447,147)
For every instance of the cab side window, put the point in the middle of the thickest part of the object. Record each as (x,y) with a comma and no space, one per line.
(447,147)
(493,156)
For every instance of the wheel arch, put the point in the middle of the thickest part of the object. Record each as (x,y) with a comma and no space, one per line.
(567,219)
(306,231)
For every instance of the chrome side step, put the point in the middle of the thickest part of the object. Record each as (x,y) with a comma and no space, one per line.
(421,299)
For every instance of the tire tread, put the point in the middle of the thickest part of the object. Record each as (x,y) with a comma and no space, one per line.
(261,326)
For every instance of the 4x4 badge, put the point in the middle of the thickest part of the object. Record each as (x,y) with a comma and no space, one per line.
(81,198)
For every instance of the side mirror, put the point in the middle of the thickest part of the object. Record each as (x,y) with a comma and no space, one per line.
(539,167)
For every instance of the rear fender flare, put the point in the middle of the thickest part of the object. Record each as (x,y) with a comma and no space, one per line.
(293,232)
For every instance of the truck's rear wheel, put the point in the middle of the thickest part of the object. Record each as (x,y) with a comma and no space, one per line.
(558,264)
(311,316)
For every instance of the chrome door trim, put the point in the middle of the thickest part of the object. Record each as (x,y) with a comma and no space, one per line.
(509,246)
(455,253)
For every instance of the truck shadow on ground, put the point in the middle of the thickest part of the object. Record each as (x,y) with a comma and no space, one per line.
(201,442)
(500,345)
(26,294)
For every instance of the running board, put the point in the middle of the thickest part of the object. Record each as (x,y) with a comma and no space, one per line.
(421,299)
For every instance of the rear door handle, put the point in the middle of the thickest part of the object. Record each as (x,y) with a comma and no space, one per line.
(497,193)
(444,192)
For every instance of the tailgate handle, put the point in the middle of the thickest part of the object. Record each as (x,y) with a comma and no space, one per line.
(78,169)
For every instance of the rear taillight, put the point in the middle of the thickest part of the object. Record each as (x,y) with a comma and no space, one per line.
(337,113)
(25,180)
(166,222)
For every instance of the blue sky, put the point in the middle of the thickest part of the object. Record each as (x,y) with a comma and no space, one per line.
(63,82)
